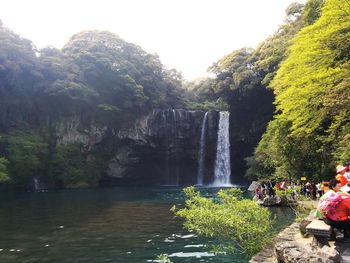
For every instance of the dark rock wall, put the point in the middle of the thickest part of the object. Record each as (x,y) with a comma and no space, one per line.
(165,145)
(158,148)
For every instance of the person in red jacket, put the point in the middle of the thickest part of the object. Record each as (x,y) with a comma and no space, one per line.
(342,211)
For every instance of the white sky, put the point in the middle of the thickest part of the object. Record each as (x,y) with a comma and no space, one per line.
(188,35)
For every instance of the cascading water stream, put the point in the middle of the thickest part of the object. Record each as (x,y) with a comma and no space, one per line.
(222,161)
(201,154)
(171,166)
(175,177)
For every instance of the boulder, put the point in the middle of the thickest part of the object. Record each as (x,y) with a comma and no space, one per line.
(253,186)
(292,252)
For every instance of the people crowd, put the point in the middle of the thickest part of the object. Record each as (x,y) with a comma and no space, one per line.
(308,189)
(334,194)
(338,199)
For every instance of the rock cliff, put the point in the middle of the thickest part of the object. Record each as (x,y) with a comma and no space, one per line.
(161,147)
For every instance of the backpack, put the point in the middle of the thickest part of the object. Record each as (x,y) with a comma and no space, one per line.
(328,206)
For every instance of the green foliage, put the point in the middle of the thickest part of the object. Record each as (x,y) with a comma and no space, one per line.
(241,221)
(312,71)
(259,167)
(241,80)
(219,104)
(310,132)
(121,73)
(97,77)
(71,90)
(27,152)
(19,76)
(287,193)
(342,152)
(3,170)
(301,211)
(163,258)
(312,11)
(73,169)
(281,155)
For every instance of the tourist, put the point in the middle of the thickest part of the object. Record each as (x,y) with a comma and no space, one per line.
(319,188)
(341,170)
(271,191)
(347,170)
(258,193)
(313,191)
(325,187)
(342,210)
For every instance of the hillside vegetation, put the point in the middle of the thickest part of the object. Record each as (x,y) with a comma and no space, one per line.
(289,98)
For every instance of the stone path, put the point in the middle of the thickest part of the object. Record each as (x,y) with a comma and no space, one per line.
(300,249)
(293,247)
(267,254)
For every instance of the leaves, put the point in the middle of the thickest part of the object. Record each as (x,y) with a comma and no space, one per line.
(312,93)
(309,73)
(232,218)
(26,155)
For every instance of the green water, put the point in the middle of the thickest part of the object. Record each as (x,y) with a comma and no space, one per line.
(124,225)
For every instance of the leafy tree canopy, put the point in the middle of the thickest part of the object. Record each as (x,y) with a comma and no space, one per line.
(315,71)
(310,132)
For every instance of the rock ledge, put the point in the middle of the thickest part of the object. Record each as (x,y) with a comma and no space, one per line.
(290,246)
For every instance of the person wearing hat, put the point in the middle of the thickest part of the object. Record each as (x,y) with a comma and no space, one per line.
(342,211)
(341,170)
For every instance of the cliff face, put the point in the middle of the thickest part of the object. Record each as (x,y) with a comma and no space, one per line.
(159,148)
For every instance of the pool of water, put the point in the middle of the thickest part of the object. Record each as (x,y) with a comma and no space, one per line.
(126,225)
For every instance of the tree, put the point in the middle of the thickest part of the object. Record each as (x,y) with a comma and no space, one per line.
(121,73)
(72,168)
(283,156)
(19,75)
(312,11)
(314,67)
(312,97)
(27,153)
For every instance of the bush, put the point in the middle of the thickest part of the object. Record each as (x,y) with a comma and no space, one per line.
(246,225)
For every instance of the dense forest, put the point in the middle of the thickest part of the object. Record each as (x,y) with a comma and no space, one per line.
(289,98)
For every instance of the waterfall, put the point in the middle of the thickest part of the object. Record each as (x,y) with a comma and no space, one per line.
(201,153)
(175,177)
(169,134)
(222,161)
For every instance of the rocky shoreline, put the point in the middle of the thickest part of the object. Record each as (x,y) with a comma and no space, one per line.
(290,246)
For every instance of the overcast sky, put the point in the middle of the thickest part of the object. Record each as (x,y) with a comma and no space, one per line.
(188,35)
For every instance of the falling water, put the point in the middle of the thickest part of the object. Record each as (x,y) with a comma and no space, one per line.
(175,177)
(222,162)
(201,154)
(171,166)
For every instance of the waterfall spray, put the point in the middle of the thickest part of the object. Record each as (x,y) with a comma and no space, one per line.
(222,161)
(201,153)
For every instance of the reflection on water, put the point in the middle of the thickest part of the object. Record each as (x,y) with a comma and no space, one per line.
(126,225)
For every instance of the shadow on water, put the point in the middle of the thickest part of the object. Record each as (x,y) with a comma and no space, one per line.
(126,225)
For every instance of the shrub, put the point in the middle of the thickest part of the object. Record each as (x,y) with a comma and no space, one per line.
(246,225)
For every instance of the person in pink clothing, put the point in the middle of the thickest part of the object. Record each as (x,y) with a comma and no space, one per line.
(342,211)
